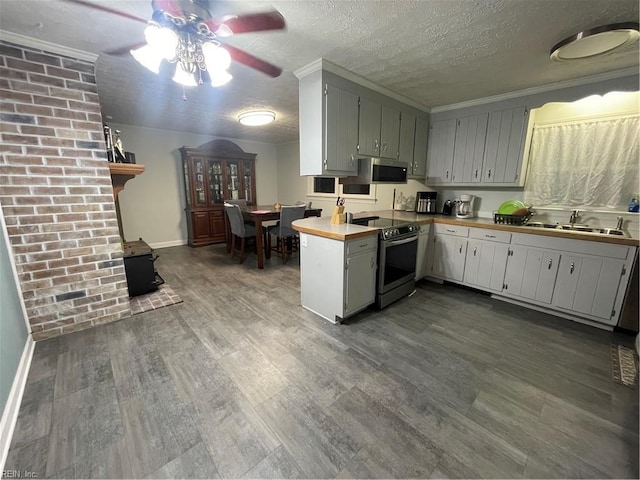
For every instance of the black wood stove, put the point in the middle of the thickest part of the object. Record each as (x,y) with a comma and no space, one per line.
(142,276)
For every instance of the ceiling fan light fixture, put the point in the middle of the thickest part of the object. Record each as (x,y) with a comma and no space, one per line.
(595,41)
(183,77)
(148,57)
(219,78)
(215,57)
(256,118)
(163,40)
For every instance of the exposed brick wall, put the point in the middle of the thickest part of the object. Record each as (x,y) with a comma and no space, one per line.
(56,193)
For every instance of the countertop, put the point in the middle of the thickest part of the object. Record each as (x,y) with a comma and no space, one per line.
(321,226)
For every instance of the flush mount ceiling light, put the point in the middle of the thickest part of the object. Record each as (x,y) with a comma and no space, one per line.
(595,41)
(256,118)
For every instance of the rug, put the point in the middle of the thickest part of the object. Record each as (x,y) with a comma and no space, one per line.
(162,297)
(624,367)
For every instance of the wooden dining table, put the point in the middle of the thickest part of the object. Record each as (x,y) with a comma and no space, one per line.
(257,214)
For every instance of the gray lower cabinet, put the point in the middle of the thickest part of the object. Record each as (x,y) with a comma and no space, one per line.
(588,285)
(576,278)
(337,278)
(531,273)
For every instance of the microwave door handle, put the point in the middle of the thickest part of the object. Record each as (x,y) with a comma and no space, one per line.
(402,242)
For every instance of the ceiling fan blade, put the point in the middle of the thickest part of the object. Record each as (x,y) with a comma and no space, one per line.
(124,50)
(249,60)
(252,22)
(97,6)
(172,7)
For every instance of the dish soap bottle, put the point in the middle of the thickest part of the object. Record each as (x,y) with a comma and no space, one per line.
(634,204)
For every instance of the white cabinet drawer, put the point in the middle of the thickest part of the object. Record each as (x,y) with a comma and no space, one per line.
(362,244)
(490,235)
(443,229)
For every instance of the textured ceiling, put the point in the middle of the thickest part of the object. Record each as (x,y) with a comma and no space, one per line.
(436,52)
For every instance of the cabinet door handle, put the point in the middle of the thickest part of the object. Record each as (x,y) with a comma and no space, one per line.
(384,146)
(474,251)
(490,236)
(447,173)
(476,173)
(373,263)
(489,173)
(460,248)
(550,263)
(572,267)
(449,230)
(352,160)
(375,145)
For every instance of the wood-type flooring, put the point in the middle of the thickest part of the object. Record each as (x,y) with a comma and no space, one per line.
(239,381)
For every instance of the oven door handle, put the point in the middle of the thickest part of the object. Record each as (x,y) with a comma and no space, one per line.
(401,242)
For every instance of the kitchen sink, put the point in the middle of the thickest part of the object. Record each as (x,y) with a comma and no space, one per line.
(578,228)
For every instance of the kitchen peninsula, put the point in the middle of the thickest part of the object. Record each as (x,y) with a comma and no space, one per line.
(574,275)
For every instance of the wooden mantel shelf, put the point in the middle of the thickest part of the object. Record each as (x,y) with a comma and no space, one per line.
(121,173)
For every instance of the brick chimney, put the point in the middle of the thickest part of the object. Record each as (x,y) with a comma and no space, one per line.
(56,193)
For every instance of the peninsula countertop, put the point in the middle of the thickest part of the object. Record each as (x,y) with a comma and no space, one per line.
(323,227)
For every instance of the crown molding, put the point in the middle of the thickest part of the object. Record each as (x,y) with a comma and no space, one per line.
(47,46)
(327,66)
(600,77)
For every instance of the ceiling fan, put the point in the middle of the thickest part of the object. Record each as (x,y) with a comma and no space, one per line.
(183,32)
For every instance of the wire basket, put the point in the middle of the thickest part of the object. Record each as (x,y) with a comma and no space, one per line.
(510,219)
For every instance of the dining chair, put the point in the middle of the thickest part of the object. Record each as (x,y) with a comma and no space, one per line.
(240,202)
(286,236)
(240,231)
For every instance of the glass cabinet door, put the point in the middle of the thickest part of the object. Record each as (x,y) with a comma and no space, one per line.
(200,195)
(233,180)
(216,190)
(247,181)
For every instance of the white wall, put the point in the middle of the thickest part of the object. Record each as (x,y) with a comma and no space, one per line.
(152,204)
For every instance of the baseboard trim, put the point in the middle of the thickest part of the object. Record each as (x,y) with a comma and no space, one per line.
(172,243)
(12,407)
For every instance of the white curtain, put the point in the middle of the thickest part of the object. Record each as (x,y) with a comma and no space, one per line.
(588,163)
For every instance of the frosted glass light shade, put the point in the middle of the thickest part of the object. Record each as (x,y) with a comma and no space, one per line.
(163,40)
(148,57)
(219,78)
(216,57)
(256,118)
(184,78)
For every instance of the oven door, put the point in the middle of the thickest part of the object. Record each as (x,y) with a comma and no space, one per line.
(397,262)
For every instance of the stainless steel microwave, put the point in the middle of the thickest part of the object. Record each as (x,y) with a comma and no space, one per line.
(378,170)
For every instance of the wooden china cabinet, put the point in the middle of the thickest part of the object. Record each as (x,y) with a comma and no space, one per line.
(214,172)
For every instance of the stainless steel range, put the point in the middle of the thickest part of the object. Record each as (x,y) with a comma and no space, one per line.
(397,251)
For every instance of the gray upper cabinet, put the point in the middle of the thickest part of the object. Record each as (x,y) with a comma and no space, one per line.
(379,131)
(341,127)
(328,128)
(389,132)
(505,146)
(413,144)
(468,156)
(442,136)
(420,148)
(407,136)
(487,149)
(369,130)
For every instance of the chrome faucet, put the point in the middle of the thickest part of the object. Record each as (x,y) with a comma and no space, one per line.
(619,224)
(575,215)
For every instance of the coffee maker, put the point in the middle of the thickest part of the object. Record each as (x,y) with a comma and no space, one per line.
(464,206)
(426,202)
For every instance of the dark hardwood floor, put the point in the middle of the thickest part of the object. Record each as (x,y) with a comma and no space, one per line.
(240,381)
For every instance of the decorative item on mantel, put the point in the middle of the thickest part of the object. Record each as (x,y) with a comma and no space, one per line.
(115,149)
